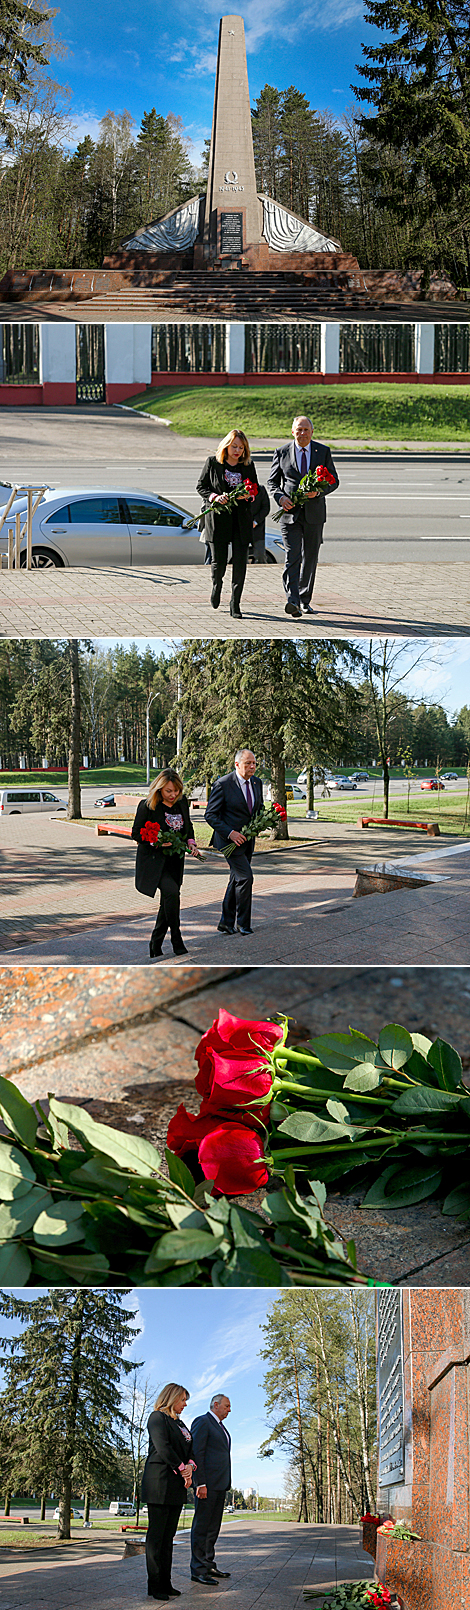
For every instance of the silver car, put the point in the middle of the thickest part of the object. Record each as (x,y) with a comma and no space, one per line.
(122,527)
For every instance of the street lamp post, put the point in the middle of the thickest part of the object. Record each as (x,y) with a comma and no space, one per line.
(150,700)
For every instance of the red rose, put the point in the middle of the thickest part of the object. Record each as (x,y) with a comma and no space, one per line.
(232,1062)
(186,1130)
(149,832)
(280,811)
(252,488)
(232,1156)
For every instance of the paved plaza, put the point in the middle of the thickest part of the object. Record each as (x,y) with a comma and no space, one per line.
(270,1563)
(69,896)
(404,600)
(122,1040)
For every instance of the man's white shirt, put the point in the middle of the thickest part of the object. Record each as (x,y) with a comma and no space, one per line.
(219,1422)
(298,456)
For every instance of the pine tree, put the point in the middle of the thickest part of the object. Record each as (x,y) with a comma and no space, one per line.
(19,23)
(62,1389)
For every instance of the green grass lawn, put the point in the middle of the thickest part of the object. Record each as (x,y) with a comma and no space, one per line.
(103,778)
(404,412)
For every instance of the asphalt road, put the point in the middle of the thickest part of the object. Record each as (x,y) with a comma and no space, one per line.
(390,507)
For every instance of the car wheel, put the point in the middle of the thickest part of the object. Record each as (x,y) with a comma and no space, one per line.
(270,560)
(43,559)
(14,813)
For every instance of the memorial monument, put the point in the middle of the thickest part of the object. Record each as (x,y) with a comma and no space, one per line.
(423,1382)
(232,223)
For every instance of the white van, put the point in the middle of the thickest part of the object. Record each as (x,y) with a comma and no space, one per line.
(121,1506)
(14,801)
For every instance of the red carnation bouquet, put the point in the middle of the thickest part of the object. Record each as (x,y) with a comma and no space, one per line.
(315,480)
(267,817)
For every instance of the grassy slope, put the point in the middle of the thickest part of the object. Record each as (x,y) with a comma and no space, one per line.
(404,412)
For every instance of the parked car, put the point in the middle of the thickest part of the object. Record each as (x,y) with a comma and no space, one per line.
(359,777)
(75,1514)
(294,792)
(319,772)
(15,801)
(120,526)
(450,776)
(342,782)
(106,800)
(431,782)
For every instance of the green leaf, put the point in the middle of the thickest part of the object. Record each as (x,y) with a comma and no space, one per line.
(458,1201)
(362,1077)
(179,1173)
(17,1114)
(186,1275)
(97,1171)
(16,1173)
(421,1043)
(20,1217)
(341,1052)
(128,1150)
(447,1064)
(182,1246)
(338,1111)
(245,1231)
(253,1266)
(79,1270)
(60,1225)
(422,1099)
(395,1045)
(398,1187)
(218,1210)
(15,1265)
(420,1069)
(309,1128)
(183,1216)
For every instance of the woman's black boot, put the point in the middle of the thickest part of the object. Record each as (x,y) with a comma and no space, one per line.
(179,947)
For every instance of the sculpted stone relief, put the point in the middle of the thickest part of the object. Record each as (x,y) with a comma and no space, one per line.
(175,233)
(286,233)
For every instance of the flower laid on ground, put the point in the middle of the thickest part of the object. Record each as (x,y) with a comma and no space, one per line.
(357,1594)
(267,817)
(235,1083)
(370,1520)
(400,1530)
(314,480)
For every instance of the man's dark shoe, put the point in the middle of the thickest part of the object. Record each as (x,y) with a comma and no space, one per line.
(307,609)
(222,928)
(291,609)
(244,930)
(174,1593)
(209,1581)
(215,1571)
(215,595)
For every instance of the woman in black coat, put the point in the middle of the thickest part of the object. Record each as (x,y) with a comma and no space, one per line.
(158,869)
(229,466)
(167,1475)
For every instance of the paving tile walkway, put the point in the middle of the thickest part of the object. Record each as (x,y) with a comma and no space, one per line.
(404,600)
(270,1563)
(122,1042)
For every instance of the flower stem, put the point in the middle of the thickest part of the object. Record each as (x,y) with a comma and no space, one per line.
(310,1092)
(314,1062)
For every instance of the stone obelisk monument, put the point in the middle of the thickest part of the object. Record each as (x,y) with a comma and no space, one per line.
(233,215)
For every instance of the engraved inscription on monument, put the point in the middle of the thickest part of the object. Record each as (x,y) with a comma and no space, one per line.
(231,233)
(390,1389)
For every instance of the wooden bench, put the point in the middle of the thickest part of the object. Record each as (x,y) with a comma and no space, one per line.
(432,828)
(105,827)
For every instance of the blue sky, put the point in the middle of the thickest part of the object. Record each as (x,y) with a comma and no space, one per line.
(138,56)
(443,677)
(209,1341)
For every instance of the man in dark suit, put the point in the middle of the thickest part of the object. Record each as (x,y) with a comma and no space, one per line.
(301,527)
(212,1478)
(233,800)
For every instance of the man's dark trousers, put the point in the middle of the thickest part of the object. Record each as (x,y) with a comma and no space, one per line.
(302,543)
(237,899)
(208,1515)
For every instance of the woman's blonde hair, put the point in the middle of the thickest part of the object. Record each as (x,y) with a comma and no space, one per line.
(221,453)
(169,1396)
(155,791)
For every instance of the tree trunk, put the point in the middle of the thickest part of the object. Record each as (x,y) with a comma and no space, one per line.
(74,802)
(65,1500)
(361,1378)
(6,1509)
(42,1516)
(310,789)
(86,1515)
(303,1507)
